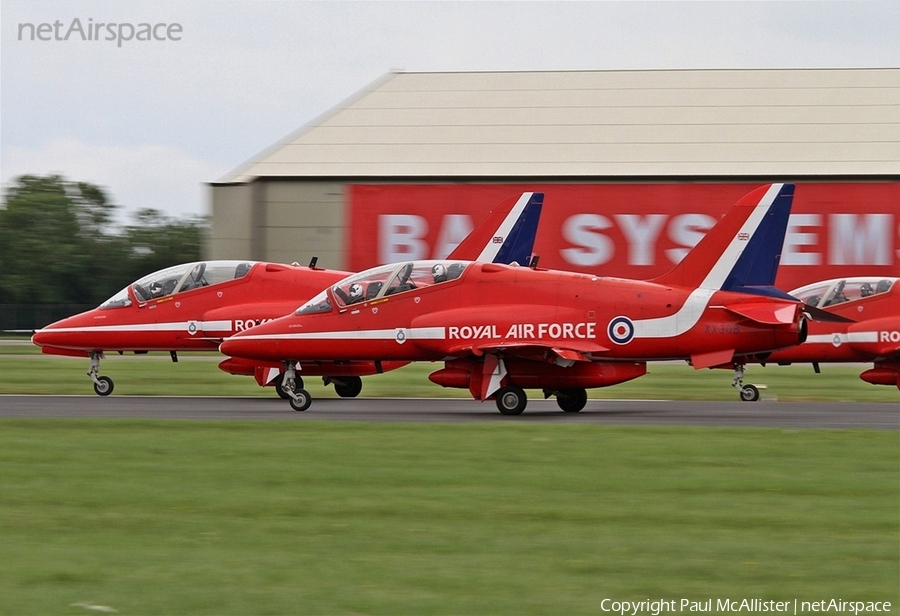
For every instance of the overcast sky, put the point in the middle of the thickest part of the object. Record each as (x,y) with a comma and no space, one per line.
(152,122)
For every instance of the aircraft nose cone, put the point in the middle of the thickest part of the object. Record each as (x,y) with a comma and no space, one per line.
(45,337)
(234,347)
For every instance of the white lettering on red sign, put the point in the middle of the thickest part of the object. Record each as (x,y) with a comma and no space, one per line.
(860,239)
(797,237)
(400,237)
(852,239)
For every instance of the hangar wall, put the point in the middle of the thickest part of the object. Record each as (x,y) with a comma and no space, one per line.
(279,220)
(595,128)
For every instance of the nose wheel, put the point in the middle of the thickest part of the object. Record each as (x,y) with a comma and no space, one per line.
(299,398)
(748,392)
(103,385)
(279,389)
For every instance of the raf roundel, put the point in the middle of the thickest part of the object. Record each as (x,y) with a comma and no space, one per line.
(621,330)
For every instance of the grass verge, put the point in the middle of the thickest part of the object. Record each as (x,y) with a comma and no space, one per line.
(197,375)
(156,517)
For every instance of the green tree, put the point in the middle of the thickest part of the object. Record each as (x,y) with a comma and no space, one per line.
(156,241)
(54,246)
(59,243)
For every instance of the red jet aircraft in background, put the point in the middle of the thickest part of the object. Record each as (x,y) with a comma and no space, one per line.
(865,327)
(500,329)
(194,306)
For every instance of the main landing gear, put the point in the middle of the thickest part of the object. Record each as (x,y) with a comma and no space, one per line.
(511,400)
(749,393)
(103,385)
(289,386)
(345,386)
(571,400)
(298,397)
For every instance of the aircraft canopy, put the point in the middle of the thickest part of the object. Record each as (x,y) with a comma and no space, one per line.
(840,290)
(385,280)
(179,278)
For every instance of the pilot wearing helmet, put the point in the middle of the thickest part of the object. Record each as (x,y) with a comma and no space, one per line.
(865,290)
(439,273)
(356,293)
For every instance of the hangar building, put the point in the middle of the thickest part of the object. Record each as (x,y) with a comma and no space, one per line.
(399,156)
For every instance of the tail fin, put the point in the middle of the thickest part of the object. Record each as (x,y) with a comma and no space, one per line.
(741,253)
(506,235)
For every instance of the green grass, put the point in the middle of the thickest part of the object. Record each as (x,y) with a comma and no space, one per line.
(197,374)
(155,517)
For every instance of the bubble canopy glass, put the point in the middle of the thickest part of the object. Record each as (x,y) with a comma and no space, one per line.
(179,278)
(840,290)
(383,281)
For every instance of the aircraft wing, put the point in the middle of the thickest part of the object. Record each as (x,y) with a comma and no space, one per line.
(563,353)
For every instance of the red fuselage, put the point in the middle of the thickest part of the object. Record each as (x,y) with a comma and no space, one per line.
(545,316)
(870,334)
(193,320)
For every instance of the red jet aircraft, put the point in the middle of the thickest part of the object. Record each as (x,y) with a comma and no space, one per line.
(194,306)
(866,327)
(500,329)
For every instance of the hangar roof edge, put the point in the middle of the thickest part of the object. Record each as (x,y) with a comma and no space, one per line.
(569,124)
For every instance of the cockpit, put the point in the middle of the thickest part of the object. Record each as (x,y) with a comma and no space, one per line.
(179,278)
(841,290)
(384,281)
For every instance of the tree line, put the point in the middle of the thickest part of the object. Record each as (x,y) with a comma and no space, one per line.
(59,243)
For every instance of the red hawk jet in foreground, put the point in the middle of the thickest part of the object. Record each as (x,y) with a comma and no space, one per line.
(194,306)
(865,327)
(500,329)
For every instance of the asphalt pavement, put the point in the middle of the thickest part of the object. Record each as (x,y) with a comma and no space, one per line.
(637,412)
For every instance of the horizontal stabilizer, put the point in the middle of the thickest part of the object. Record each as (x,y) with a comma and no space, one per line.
(711,360)
(768,313)
(817,314)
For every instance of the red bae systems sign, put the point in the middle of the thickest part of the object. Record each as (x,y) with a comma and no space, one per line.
(632,230)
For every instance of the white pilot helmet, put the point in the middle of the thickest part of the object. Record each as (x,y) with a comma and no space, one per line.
(438,271)
(356,291)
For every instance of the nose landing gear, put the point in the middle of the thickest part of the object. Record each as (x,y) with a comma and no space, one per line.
(103,385)
(299,398)
(748,392)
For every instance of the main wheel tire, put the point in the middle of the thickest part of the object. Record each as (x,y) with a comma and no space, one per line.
(571,400)
(749,393)
(348,387)
(302,400)
(511,400)
(104,387)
